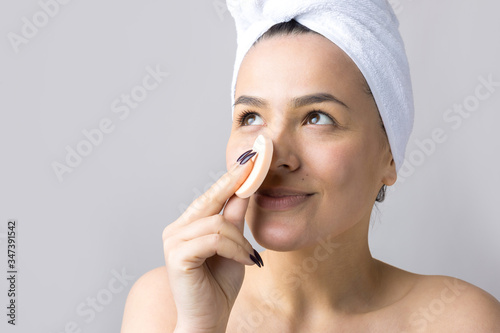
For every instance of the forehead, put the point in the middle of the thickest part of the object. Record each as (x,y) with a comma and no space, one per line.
(297,64)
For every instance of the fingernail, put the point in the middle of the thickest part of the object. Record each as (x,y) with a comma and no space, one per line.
(247,158)
(258,257)
(255,260)
(244,154)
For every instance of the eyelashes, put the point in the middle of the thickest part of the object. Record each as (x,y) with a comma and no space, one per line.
(245,114)
(309,114)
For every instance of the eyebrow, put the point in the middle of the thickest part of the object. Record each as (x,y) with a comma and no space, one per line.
(297,102)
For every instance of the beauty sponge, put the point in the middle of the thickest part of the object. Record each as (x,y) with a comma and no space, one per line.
(262,161)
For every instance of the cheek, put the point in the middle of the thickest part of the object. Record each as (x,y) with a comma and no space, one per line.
(344,171)
(336,165)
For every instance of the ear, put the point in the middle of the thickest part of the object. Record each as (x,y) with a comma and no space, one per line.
(390,174)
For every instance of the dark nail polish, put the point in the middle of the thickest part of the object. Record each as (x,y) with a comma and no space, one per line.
(248,158)
(243,155)
(255,260)
(257,255)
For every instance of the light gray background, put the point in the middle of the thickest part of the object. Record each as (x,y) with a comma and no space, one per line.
(108,214)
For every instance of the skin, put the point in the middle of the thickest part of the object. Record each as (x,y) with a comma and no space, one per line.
(319,274)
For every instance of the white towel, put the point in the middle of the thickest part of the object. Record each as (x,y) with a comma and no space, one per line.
(366,30)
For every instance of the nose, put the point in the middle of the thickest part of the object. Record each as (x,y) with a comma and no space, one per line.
(285,151)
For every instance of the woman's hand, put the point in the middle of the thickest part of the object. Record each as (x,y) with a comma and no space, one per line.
(205,253)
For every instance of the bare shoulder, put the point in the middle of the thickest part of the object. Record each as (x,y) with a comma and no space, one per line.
(150,306)
(446,304)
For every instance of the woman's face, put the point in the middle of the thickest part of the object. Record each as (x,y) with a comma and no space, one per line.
(335,150)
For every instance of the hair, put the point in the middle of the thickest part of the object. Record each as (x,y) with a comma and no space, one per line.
(293,27)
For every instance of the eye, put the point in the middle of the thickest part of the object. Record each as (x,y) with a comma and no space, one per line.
(315,117)
(248,118)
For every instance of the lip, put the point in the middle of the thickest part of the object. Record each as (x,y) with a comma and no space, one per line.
(280,198)
(281,192)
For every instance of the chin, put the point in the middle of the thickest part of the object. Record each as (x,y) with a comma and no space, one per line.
(286,233)
(278,244)
(281,236)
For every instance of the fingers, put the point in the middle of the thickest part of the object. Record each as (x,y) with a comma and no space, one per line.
(192,254)
(235,210)
(212,201)
(213,225)
(200,232)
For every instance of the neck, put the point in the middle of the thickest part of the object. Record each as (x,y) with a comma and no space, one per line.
(336,273)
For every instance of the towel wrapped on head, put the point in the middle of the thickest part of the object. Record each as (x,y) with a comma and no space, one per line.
(366,30)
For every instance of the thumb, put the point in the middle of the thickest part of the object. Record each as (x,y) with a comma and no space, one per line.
(235,210)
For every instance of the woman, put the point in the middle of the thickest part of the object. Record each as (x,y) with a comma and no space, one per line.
(332,161)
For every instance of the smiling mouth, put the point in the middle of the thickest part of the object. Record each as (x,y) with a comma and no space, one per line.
(280,192)
(281,202)
(285,195)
